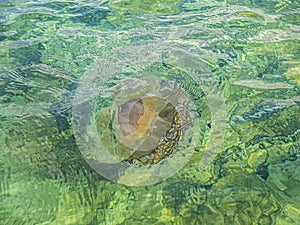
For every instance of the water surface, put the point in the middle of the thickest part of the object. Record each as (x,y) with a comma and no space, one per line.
(237,60)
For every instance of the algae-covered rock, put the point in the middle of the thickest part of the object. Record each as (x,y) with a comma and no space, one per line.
(285,178)
(294,73)
(249,14)
(236,202)
(257,158)
(290,215)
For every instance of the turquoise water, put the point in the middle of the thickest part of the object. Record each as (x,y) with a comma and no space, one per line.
(65,66)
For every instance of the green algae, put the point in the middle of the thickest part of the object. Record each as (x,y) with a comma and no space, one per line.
(249,14)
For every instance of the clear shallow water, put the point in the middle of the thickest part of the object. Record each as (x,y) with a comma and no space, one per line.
(247,51)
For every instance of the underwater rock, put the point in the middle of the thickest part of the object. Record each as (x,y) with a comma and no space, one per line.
(294,73)
(270,107)
(289,215)
(285,178)
(257,158)
(236,202)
